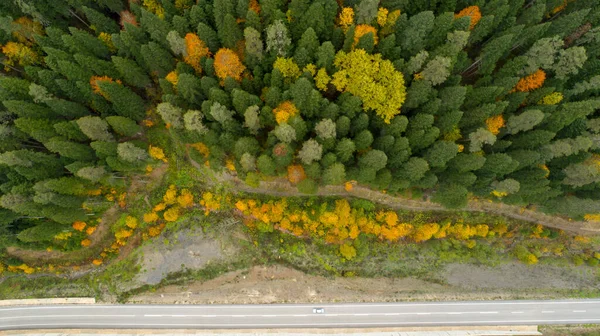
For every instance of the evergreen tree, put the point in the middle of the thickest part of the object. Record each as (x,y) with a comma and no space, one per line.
(126,102)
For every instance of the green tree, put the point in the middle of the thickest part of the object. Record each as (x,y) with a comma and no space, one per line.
(95,128)
(131,153)
(69,149)
(451,196)
(124,126)
(334,174)
(524,121)
(131,72)
(100,22)
(266,165)
(229,32)
(440,153)
(170,114)
(325,129)
(126,102)
(192,121)
(278,40)
(92,173)
(373,159)
(285,133)
(311,151)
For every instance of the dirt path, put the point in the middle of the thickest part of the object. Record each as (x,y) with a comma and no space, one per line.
(281,187)
(99,239)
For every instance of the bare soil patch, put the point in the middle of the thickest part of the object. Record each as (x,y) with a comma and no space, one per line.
(519,276)
(187,249)
(278,284)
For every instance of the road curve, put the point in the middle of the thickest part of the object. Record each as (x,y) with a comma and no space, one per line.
(472,313)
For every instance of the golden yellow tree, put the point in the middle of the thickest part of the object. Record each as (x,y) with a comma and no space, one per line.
(195,49)
(227,64)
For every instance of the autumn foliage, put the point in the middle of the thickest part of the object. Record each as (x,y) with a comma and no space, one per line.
(531,82)
(295,174)
(346,18)
(94,83)
(284,111)
(362,30)
(472,12)
(495,123)
(228,64)
(195,50)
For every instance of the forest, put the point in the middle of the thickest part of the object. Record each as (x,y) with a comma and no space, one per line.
(452,99)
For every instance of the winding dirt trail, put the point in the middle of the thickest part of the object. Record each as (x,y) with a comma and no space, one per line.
(281,187)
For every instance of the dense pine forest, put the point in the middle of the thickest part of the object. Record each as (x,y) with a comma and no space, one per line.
(454,99)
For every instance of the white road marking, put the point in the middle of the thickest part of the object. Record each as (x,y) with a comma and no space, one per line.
(269,315)
(297,324)
(61,316)
(423,313)
(391,314)
(152,315)
(312,306)
(490,312)
(578,311)
(454,313)
(362,314)
(519,312)
(300,315)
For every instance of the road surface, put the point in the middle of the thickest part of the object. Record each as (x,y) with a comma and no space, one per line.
(301,315)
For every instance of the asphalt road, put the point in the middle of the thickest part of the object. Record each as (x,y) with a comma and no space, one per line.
(301,315)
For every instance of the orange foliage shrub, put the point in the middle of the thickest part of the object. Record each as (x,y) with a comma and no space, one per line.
(362,30)
(495,123)
(196,49)
(154,231)
(285,111)
(159,207)
(227,64)
(90,230)
(170,196)
(172,214)
(348,186)
(97,262)
(79,226)
(123,234)
(185,199)
(210,202)
(425,232)
(86,242)
(201,148)
(157,153)
(150,217)
(295,174)
(531,82)
(131,222)
(473,12)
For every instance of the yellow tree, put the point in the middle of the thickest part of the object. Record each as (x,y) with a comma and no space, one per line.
(374,80)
